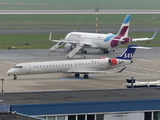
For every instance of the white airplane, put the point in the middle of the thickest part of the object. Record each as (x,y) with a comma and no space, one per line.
(75,41)
(90,66)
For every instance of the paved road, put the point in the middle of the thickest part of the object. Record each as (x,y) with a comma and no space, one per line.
(79,12)
(100,30)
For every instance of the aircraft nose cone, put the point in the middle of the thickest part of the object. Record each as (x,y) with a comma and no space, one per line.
(10,71)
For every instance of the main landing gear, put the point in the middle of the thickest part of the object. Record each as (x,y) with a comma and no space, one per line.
(83,51)
(105,51)
(86,76)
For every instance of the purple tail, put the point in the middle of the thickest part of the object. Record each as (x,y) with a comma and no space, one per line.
(125,27)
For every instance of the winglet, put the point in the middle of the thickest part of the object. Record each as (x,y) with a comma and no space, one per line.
(154,35)
(50,36)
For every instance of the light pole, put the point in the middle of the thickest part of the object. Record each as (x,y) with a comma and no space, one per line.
(2,84)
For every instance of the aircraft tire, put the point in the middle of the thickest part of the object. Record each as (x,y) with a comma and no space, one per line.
(15,77)
(105,51)
(86,76)
(85,52)
(77,75)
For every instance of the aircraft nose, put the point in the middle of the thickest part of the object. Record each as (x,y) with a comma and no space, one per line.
(11,71)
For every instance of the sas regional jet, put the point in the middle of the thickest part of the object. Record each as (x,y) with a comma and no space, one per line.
(87,66)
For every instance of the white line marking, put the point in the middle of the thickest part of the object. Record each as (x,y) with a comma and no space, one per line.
(145,60)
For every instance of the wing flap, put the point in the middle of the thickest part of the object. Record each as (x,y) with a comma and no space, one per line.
(92,72)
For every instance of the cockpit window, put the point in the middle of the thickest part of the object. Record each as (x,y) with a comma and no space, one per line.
(17,67)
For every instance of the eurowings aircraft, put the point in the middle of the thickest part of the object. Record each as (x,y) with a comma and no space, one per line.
(87,66)
(75,41)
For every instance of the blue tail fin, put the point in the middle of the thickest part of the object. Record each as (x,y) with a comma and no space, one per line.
(129,52)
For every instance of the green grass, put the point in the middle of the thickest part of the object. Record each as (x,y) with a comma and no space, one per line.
(74,21)
(36,41)
(40,41)
(77,4)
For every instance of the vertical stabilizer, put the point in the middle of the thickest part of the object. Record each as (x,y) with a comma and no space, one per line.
(123,31)
(129,52)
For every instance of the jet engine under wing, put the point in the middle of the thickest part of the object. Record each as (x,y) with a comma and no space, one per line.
(143,39)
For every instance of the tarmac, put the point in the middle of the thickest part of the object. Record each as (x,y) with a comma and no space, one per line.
(146,67)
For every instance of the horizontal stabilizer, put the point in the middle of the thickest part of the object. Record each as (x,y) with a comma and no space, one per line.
(140,47)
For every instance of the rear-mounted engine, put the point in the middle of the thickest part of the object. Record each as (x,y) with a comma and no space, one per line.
(113,61)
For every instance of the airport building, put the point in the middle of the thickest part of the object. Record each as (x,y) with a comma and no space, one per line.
(106,104)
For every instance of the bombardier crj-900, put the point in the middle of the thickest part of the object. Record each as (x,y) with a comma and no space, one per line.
(75,41)
(90,66)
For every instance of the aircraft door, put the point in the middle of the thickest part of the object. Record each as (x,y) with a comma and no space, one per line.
(26,68)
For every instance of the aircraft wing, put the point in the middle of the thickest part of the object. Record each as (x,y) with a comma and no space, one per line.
(64,41)
(73,42)
(92,72)
(143,39)
(95,72)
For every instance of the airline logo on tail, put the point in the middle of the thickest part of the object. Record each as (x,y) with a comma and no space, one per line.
(129,52)
(123,31)
(122,35)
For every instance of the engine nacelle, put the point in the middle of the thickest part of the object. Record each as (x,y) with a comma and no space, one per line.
(113,61)
(69,46)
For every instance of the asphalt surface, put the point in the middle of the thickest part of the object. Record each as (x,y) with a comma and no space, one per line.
(79,12)
(100,30)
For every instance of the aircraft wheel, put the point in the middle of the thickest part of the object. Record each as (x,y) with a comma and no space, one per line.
(106,51)
(86,76)
(15,77)
(85,52)
(82,52)
(77,75)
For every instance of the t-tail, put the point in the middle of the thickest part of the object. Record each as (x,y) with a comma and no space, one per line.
(129,52)
(124,29)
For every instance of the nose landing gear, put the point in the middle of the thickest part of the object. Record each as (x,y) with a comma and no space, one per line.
(15,77)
